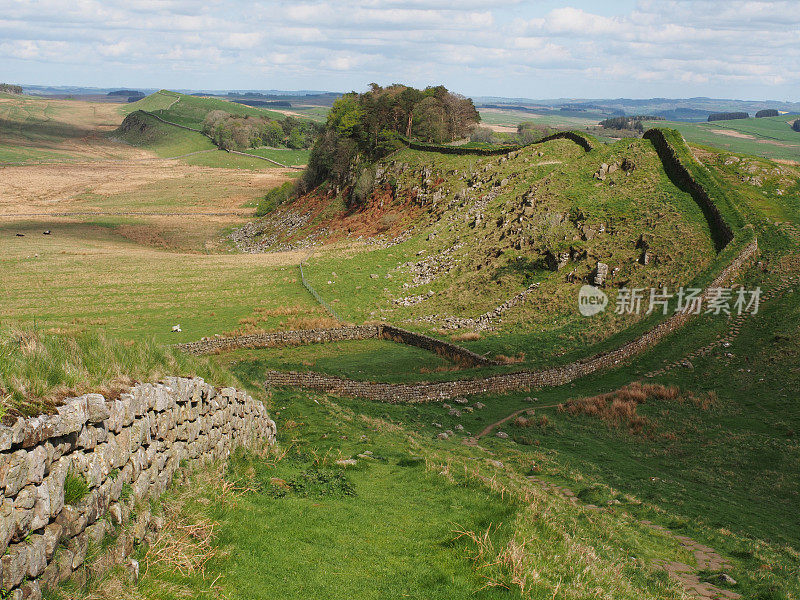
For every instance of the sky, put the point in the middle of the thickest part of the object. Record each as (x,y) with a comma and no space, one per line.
(513,48)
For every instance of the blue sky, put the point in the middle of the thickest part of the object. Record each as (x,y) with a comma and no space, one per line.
(515,48)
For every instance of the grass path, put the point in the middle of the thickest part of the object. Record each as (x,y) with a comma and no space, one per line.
(489,428)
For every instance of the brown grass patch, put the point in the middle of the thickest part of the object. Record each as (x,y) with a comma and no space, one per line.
(311,323)
(506,567)
(510,360)
(183,545)
(531,421)
(619,408)
(467,336)
(281,311)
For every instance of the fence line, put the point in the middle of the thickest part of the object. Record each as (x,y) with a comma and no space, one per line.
(314,292)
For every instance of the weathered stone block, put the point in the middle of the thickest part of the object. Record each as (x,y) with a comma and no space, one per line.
(15,565)
(37,555)
(78,545)
(73,416)
(55,484)
(64,560)
(51,535)
(6,522)
(72,520)
(42,508)
(37,429)
(31,590)
(96,408)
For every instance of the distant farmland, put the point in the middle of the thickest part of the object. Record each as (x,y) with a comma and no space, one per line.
(770,137)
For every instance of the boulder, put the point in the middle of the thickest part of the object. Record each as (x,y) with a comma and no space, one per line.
(600,273)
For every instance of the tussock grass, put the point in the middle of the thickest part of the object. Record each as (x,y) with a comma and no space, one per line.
(467,336)
(618,408)
(75,488)
(38,370)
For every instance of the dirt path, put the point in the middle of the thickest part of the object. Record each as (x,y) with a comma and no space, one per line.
(489,428)
(707,558)
(687,576)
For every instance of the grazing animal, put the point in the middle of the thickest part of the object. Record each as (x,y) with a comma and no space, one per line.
(20,235)
(46,232)
(176,328)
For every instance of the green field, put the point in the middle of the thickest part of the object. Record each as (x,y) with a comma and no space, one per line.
(512,118)
(314,113)
(191,111)
(769,137)
(87,276)
(286,156)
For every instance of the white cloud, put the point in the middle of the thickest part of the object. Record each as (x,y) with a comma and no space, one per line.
(705,47)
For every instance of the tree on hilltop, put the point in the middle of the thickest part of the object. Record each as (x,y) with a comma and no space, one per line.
(369,124)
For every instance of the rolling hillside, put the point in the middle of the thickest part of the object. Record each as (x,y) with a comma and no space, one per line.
(536,224)
(651,478)
(768,137)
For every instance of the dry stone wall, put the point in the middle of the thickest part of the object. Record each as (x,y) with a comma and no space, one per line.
(120,452)
(283,338)
(453,352)
(669,153)
(499,384)
(448,350)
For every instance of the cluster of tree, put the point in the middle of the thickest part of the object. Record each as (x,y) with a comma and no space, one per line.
(633,123)
(483,135)
(367,126)
(727,116)
(796,125)
(767,112)
(234,132)
(9,88)
(126,93)
(267,103)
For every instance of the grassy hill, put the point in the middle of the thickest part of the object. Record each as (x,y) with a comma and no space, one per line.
(497,226)
(142,130)
(192,110)
(150,124)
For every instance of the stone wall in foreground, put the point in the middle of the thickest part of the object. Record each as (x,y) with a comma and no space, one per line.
(120,452)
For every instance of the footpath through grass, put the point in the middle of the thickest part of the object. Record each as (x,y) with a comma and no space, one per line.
(404,517)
